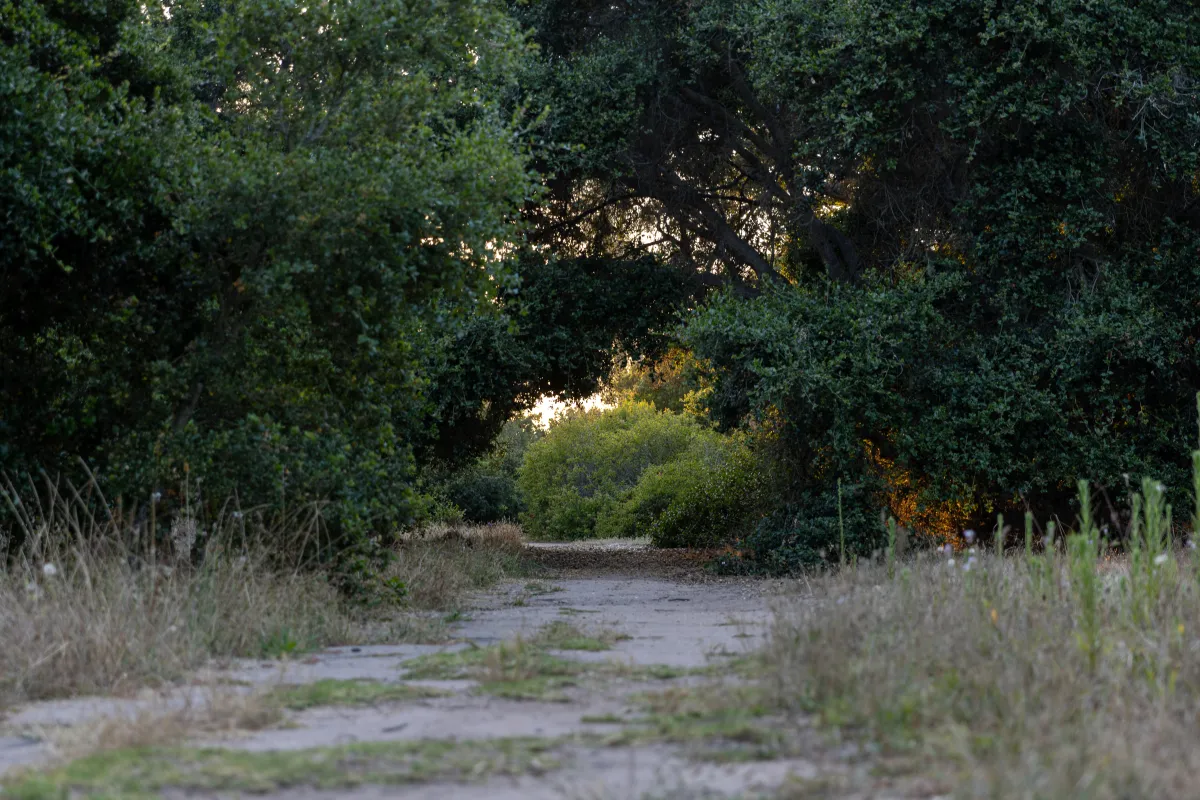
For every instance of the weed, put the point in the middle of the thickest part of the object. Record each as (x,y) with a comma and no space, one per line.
(561,635)
(330,692)
(1062,673)
(523,670)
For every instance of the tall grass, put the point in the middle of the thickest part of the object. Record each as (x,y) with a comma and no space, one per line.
(93,600)
(1068,671)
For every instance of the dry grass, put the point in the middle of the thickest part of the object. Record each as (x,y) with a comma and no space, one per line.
(1011,679)
(94,604)
(441,564)
(103,623)
(170,719)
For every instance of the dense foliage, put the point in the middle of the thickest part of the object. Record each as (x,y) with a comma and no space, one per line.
(972,229)
(554,334)
(635,471)
(307,253)
(235,232)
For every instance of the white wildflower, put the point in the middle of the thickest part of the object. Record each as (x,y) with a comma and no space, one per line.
(1160,559)
(156,497)
(969,535)
(49,570)
(950,563)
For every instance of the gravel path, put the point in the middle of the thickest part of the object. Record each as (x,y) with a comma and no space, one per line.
(667,611)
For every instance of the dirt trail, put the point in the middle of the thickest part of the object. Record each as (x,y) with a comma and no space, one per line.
(666,613)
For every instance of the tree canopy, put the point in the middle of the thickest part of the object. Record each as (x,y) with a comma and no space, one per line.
(972,227)
(302,250)
(230,225)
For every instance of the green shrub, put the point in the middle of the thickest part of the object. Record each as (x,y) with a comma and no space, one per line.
(576,477)
(192,292)
(808,533)
(485,496)
(634,470)
(707,496)
(485,489)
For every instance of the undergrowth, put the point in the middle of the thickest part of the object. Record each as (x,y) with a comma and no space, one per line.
(94,600)
(1067,670)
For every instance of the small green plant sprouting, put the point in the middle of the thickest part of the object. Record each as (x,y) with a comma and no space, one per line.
(1028,537)
(842,523)
(1043,567)
(891,547)
(1151,566)
(279,643)
(999,536)
(1084,548)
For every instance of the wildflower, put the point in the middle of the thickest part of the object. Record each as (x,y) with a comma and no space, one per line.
(995,617)
(969,564)
(969,535)
(1160,559)
(948,549)
(237,515)
(1160,488)
(1180,629)
(1191,544)
(156,497)
(971,551)
(950,563)
(49,570)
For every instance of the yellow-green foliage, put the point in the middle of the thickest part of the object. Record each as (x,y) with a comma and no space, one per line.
(633,470)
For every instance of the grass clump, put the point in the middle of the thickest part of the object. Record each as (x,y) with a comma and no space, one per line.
(718,722)
(560,635)
(148,772)
(517,670)
(331,692)
(524,670)
(1066,672)
(440,564)
(96,616)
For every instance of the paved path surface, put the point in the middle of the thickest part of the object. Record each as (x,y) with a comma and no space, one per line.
(670,614)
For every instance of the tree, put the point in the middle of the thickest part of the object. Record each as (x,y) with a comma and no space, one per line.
(555,333)
(984,217)
(223,264)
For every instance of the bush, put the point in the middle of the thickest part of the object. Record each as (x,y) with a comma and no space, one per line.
(634,470)
(877,381)
(808,533)
(484,490)
(576,477)
(705,497)
(187,288)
